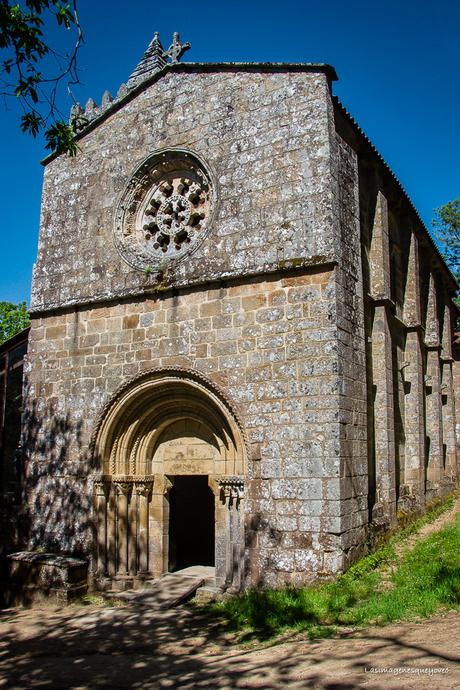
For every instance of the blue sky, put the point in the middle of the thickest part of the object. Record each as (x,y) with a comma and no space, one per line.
(398,65)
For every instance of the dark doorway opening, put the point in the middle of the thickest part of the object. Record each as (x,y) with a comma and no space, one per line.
(191,523)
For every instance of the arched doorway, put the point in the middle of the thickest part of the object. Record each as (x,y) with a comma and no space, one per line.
(170,493)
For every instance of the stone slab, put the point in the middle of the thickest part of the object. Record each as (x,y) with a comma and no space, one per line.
(167,592)
(36,577)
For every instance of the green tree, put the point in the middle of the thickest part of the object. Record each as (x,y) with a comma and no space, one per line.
(23,52)
(446,225)
(13,319)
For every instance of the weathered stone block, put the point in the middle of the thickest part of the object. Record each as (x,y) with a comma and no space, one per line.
(36,577)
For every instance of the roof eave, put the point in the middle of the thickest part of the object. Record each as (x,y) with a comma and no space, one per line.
(368,143)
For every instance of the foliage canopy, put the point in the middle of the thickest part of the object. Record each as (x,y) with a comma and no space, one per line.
(447,229)
(13,319)
(23,52)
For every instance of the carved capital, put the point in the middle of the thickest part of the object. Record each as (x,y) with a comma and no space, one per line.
(101,488)
(123,487)
(231,488)
(143,488)
(167,485)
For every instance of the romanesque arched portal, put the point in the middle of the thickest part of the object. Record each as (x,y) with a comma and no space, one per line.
(160,429)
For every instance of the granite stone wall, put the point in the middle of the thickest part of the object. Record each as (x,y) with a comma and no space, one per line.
(266,140)
(315,305)
(269,343)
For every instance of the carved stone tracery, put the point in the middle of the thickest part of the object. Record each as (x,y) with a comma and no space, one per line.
(165,209)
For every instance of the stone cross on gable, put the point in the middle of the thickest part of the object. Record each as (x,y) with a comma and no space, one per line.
(176,49)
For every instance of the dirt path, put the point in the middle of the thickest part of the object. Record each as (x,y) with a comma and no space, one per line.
(443,520)
(79,648)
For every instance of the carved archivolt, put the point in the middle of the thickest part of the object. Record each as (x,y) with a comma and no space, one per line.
(165,210)
(169,423)
(163,424)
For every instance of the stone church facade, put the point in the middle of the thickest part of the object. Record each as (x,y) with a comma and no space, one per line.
(240,351)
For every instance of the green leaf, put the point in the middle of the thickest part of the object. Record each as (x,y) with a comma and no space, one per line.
(32,123)
(61,139)
(13,319)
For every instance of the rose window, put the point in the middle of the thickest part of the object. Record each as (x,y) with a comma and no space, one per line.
(175,213)
(165,210)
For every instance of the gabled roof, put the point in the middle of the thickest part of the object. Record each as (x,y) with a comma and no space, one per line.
(367,147)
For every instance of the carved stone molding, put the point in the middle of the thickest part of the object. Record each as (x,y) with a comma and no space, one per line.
(166,484)
(159,373)
(125,484)
(116,409)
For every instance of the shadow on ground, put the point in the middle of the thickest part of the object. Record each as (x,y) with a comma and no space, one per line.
(134,647)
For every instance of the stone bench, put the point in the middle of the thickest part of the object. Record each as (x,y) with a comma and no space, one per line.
(44,577)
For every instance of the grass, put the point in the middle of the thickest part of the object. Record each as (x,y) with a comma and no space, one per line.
(425,580)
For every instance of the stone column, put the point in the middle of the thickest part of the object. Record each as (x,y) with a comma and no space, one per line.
(448,398)
(221,534)
(435,469)
(132,532)
(143,490)
(414,467)
(384,433)
(414,475)
(448,418)
(435,450)
(382,366)
(158,530)
(101,494)
(112,519)
(123,489)
(231,512)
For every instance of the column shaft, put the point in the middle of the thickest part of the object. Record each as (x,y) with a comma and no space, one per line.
(414,467)
(448,419)
(383,414)
(435,450)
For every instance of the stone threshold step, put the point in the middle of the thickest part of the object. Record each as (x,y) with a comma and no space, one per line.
(167,592)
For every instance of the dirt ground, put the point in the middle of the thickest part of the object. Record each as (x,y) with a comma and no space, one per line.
(131,647)
(80,648)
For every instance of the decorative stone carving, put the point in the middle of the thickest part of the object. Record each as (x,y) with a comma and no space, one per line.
(106,99)
(124,487)
(231,488)
(152,61)
(143,487)
(122,91)
(166,485)
(164,211)
(176,49)
(101,488)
